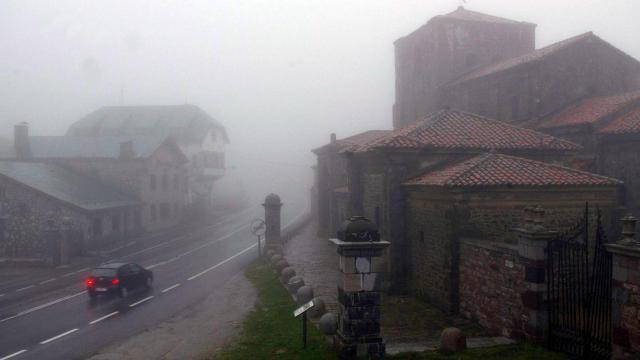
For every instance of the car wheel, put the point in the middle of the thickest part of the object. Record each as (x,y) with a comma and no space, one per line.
(149,282)
(124,292)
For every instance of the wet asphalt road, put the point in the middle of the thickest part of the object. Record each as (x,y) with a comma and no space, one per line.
(55,319)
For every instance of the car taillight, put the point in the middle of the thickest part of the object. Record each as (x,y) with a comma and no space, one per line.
(115,281)
(90,282)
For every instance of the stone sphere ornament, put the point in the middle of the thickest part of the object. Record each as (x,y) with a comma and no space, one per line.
(286,274)
(328,324)
(275,258)
(304,294)
(295,283)
(318,309)
(281,265)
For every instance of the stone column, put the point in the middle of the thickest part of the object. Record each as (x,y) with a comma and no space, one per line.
(533,238)
(358,333)
(272,206)
(625,304)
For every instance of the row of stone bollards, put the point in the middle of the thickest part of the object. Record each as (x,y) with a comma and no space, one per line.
(302,292)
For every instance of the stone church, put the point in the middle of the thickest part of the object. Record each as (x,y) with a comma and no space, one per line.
(485,126)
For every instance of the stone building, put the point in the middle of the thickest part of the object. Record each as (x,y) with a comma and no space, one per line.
(461,206)
(36,196)
(489,66)
(200,137)
(149,169)
(377,169)
(331,180)
(447,47)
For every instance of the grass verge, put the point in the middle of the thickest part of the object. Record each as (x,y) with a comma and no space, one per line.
(270,331)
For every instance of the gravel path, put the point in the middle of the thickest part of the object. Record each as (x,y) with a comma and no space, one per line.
(194,332)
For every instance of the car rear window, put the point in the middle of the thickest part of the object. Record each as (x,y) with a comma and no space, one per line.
(103,272)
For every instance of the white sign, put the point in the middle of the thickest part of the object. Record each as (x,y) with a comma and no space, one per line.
(303,308)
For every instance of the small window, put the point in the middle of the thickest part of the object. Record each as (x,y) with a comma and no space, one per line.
(152,182)
(176,182)
(3,192)
(115,223)
(165,182)
(421,237)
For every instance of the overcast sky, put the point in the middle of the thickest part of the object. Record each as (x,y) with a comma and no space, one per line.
(279,74)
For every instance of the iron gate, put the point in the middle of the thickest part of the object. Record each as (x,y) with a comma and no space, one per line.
(579,291)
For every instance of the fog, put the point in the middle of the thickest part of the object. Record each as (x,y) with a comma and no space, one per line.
(280,75)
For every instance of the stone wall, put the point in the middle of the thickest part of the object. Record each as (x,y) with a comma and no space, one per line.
(27,213)
(492,279)
(619,157)
(432,272)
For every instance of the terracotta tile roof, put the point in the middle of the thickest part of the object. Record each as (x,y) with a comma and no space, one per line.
(467,15)
(455,129)
(629,123)
(535,55)
(590,110)
(504,170)
(358,139)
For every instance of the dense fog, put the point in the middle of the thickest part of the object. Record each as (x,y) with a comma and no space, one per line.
(280,75)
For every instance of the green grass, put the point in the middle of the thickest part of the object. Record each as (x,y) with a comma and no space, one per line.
(270,331)
(521,351)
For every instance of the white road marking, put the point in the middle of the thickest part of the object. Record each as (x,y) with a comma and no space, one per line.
(68,274)
(47,281)
(197,248)
(103,318)
(14,354)
(141,301)
(81,270)
(25,288)
(131,243)
(25,312)
(59,336)
(222,262)
(1,295)
(171,288)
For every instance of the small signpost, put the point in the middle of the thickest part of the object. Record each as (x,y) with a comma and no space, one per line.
(302,310)
(258,228)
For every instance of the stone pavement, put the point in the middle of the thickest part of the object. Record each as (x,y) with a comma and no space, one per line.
(317,262)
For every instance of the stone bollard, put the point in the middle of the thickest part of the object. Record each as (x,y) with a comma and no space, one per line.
(304,294)
(275,258)
(328,324)
(294,284)
(286,274)
(452,340)
(281,265)
(272,206)
(318,309)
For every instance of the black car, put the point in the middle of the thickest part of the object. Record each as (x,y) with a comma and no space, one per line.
(118,278)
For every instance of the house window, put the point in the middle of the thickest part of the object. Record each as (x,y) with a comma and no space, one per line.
(165,182)
(164,211)
(153,212)
(175,181)
(421,237)
(152,182)
(3,192)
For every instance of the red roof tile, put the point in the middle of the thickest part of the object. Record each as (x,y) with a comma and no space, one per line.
(535,55)
(628,123)
(358,139)
(455,129)
(504,170)
(590,111)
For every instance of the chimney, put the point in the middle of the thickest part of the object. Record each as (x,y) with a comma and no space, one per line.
(126,150)
(21,140)
(333,138)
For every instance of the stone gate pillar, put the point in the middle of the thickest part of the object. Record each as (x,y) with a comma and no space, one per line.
(625,304)
(533,238)
(361,264)
(272,206)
